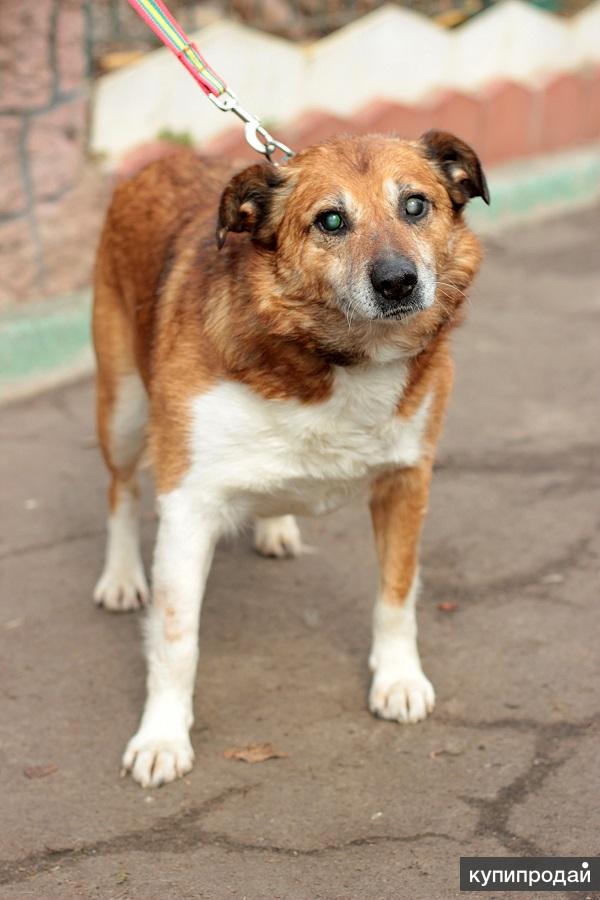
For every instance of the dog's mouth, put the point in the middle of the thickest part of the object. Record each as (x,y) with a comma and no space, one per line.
(377,312)
(400,312)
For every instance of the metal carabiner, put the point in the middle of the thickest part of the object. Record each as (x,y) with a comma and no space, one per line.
(256,134)
(263,142)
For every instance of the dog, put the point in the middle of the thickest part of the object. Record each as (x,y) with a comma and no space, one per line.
(276,368)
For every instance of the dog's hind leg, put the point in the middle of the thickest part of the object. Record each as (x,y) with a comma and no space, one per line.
(122,412)
(278,536)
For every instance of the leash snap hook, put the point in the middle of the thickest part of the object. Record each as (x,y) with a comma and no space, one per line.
(262,141)
(256,134)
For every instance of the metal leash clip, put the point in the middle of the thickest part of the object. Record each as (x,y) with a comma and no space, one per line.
(256,134)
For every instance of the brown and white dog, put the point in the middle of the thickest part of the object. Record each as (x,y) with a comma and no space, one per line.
(276,372)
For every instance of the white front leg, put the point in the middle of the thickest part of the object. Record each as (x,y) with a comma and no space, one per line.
(399,689)
(161,750)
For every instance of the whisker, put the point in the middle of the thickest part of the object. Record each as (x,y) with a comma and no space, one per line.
(441,284)
(454,287)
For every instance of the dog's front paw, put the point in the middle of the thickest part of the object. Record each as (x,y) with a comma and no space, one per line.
(278,536)
(122,589)
(401,694)
(153,760)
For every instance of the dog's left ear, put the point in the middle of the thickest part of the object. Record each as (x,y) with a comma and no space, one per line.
(459,165)
(247,203)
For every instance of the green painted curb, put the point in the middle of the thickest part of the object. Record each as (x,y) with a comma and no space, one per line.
(538,187)
(42,344)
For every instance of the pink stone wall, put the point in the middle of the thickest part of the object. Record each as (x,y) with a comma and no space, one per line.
(43,121)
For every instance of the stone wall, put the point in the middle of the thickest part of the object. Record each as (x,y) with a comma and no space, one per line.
(43,126)
(51,195)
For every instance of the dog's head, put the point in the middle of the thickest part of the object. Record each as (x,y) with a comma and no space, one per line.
(368,229)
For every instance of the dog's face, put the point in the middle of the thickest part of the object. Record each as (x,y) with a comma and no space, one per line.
(368,229)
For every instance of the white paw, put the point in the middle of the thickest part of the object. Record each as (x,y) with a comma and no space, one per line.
(122,589)
(278,537)
(404,695)
(154,760)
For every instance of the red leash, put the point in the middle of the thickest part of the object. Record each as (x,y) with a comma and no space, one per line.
(156,15)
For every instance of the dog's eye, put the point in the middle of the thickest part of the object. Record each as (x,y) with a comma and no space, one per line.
(415,207)
(331,221)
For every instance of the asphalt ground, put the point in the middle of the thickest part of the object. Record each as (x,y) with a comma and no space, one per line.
(508,765)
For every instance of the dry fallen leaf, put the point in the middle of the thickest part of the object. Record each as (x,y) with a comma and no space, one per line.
(446,751)
(40,771)
(447,606)
(254,753)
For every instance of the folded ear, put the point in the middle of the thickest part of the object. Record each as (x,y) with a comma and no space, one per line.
(247,203)
(459,165)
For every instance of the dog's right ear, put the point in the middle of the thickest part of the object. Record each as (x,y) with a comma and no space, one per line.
(247,203)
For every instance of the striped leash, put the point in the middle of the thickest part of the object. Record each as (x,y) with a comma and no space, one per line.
(156,15)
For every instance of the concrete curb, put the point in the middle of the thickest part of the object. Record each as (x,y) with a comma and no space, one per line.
(43,344)
(538,187)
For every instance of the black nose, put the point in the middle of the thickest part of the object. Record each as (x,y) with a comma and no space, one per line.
(394,278)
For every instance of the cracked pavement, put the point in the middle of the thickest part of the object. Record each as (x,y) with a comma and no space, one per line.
(507,765)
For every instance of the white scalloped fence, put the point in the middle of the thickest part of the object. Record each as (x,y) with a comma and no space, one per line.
(392,53)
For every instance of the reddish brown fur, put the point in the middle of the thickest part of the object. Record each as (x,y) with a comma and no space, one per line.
(261,311)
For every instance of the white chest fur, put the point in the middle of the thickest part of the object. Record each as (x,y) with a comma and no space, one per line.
(270,457)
